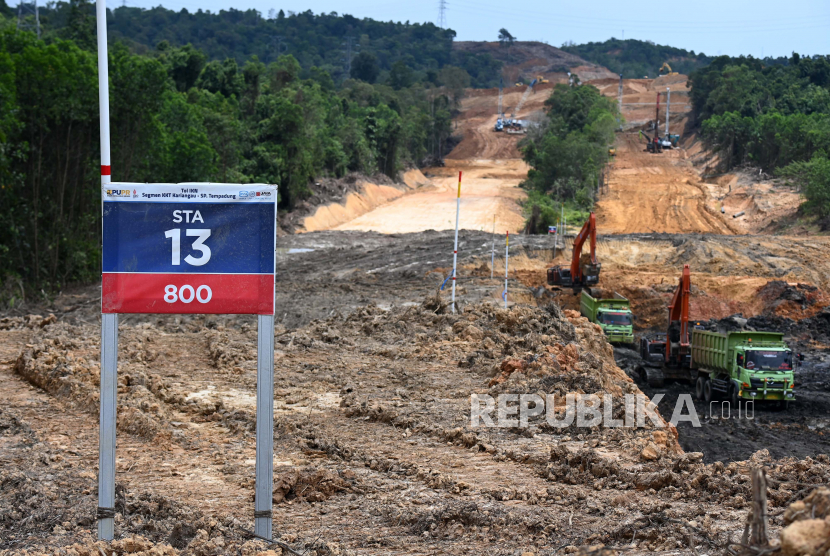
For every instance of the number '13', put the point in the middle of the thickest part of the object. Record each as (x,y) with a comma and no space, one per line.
(199,244)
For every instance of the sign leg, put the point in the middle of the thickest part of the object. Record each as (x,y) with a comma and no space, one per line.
(263,502)
(106,427)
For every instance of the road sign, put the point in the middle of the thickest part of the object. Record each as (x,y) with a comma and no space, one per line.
(188,248)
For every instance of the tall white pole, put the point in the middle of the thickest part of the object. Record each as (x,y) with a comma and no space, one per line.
(455,250)
(506,257)
(668,102)
(109,321)
(493,252)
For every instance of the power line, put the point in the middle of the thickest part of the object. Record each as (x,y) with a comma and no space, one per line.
(24,10)
(442,13)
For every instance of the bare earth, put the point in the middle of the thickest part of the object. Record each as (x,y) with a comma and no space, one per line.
(374,450)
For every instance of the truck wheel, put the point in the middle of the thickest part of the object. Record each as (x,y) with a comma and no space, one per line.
(734,400)
(699,388)
(708,394)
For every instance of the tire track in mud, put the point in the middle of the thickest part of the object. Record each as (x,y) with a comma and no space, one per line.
(140,465)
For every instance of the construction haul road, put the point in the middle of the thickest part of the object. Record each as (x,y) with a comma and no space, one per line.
(374,450)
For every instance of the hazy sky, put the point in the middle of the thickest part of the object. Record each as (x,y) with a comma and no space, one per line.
(758,27)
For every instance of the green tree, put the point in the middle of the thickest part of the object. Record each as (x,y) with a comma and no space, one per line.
(365,67)
(813,177)
(400,77)
(456,80)
(184,65)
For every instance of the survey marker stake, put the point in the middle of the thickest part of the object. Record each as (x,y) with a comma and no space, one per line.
(506,257)
(455,249)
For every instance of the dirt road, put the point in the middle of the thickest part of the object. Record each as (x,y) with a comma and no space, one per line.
(659,193)
(489,188)
(492,171)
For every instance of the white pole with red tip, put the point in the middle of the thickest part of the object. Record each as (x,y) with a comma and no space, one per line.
(455,249)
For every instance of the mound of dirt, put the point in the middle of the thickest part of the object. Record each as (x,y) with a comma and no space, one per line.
(796,301)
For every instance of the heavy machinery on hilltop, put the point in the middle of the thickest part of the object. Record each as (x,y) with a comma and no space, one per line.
(666,67)
(746,365)
(584,269)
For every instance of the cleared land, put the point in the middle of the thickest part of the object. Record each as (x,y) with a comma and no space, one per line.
(374,453)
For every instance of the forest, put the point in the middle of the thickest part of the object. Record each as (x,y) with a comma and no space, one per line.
(567,154)
(315,40)
(179,116)
(635,59)
(776,117)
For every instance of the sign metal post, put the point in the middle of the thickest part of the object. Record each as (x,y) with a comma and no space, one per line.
(263,500)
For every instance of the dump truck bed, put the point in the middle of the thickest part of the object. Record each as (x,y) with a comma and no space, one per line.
(713,350)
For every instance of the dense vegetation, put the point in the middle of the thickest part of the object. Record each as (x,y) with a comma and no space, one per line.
(776,117)
(567,154)
(636,59)
(176,116)
(315,40)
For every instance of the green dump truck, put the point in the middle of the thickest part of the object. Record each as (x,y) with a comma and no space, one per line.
(612,312)
(742,366)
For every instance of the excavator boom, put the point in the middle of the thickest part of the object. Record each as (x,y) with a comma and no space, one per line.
(678,344)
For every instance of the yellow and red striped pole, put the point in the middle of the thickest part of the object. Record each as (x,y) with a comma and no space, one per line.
(455,249)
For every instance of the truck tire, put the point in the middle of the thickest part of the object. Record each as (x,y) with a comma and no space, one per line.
(699,387)
(708,393)
(734,400)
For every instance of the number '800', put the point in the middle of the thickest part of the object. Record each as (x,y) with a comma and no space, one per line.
(186,293)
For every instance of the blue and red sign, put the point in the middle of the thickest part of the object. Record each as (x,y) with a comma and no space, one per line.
(189,248)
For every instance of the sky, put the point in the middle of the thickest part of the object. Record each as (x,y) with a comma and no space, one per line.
(732,27)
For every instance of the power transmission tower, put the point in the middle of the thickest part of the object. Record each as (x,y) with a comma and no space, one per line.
(442,17)
(24,10)
(347,61)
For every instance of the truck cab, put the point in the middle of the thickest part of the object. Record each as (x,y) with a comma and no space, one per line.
(611,311)
(763,372)
(618,325)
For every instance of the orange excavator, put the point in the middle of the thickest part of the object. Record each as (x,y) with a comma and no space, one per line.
(667,356)
(584,270)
